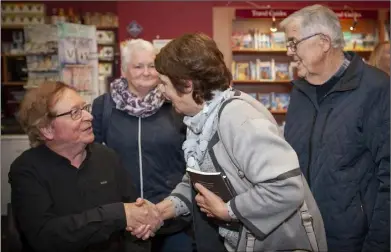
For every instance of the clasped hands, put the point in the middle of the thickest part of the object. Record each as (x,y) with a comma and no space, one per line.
(143,218)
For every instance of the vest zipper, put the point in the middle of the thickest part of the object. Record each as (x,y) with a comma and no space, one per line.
(140,159)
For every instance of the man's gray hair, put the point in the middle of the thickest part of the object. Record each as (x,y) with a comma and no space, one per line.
(129,47)
(317,19)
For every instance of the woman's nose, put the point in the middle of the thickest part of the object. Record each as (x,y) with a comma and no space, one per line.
(147,71)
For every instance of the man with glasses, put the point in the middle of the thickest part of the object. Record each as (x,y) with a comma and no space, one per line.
(338,122)
(68,193)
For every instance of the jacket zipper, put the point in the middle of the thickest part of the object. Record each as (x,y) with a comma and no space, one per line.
(140,159)
(310,150)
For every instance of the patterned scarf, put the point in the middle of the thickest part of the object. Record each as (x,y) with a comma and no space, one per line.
(133,105)
(201,127)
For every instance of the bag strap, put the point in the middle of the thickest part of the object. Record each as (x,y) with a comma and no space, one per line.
(306,217)
(225,103)
(107,109)
(307,222)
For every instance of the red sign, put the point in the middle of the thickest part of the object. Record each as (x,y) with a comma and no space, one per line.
(268,13)
(245,13)
(364,14)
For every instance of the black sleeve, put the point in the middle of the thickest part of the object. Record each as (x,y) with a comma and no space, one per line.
(97,113)
(46,231)
(377,133)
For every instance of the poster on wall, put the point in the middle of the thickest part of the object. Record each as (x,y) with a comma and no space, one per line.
(78,58)
(160,43)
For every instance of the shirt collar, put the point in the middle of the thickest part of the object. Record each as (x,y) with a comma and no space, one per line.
(56,158)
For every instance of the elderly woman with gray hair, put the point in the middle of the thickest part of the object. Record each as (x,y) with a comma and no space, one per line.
(136,121)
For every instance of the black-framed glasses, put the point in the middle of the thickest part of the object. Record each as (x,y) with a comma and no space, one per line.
(76,112)
(293,44)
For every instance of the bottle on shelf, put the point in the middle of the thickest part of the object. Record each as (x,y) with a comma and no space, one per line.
(61,15)
(71,15)
(54,17)
(87,18)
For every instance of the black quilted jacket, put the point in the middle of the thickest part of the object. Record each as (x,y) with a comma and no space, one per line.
(343,145)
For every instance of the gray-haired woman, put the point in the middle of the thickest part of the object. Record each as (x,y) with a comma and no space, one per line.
(135,120)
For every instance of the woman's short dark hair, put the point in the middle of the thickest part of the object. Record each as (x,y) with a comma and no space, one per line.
(194,57)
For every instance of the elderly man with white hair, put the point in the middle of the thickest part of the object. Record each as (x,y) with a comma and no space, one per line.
(136,121)
(338,122)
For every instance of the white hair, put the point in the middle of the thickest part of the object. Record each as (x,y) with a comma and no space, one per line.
(317,19)
(128,47)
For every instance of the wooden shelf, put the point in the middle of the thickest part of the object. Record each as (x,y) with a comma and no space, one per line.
(278,112)
(12,27)
(107,44)
(14,83)
(261,82)
(77,65)
(359,50)
(259,51)
(238,51)
(10,55)
(98,27)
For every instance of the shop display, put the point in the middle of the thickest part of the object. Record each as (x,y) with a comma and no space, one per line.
(66,52)
(105,37)
(101,20)
(14,14)
(106,53)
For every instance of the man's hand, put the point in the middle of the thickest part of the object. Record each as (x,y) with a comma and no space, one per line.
(149,224)
(211,204)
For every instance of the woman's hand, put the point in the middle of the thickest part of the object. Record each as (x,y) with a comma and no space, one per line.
(166,208)
(211,204)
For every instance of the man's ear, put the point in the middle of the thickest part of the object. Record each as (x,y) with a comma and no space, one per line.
(47,132)
(188,86)
(326,43)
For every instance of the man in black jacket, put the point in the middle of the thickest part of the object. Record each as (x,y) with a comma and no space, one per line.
(338,122)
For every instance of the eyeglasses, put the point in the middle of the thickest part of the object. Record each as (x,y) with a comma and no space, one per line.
(76,112)
(293,44)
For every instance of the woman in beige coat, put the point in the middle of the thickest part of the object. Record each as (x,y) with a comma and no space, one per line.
(232,133)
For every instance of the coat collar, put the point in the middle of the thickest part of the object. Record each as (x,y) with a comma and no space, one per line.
(349,80)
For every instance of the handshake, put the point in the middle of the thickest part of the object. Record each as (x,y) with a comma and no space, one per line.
(143,218)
